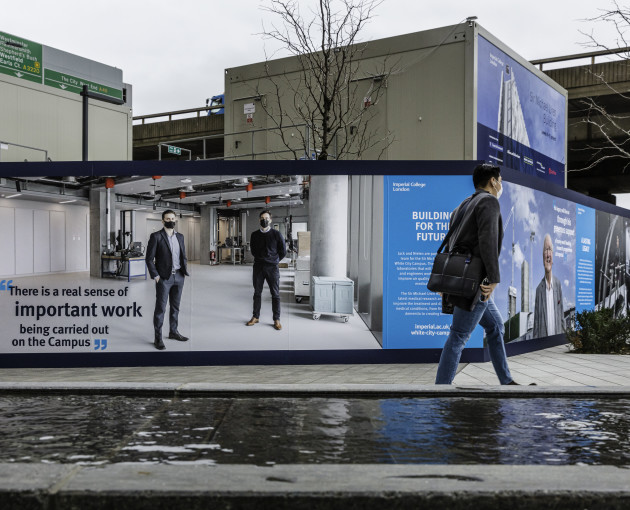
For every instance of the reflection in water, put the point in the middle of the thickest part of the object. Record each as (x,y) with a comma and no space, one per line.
(506,431)
(265,431)
(441,431)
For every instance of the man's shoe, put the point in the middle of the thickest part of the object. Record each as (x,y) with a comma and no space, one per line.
(176,336)
(159,345)
(514,383)
(251,322)
(277,325)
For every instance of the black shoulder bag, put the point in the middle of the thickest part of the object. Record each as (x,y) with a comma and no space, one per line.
(453,273)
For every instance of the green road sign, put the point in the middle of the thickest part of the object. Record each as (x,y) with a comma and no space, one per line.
(73,84)
(20,58)
(174,150)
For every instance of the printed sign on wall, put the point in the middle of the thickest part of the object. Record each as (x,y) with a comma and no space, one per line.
(417,215)
(520,118)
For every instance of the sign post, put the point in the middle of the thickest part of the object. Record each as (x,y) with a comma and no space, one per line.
(172,149)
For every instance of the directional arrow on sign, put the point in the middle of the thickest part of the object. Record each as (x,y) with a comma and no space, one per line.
(63,86)
(19,74)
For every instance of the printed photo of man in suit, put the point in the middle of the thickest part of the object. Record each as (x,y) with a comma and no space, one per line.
(548,312)
(167,264)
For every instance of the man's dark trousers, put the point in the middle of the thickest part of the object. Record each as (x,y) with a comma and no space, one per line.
(170,290)
(271,274)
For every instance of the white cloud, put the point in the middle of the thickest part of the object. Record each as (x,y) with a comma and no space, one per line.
(525,209)
(519,256)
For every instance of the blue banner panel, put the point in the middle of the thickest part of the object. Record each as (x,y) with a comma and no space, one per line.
(417,215)
(501,150)
(520,118)
(538,245)
(585,259)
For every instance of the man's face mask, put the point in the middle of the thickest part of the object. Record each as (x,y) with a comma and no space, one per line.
(169,224)
(264,222)
(498,189)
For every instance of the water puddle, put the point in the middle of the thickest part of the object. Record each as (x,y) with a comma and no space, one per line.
(96,430)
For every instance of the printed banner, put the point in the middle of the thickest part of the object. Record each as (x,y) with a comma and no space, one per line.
(63,291)
(520,118)
(585,259)
(537,262)
(417,215)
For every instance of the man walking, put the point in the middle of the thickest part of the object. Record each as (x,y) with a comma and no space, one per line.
(268,248)
(167,264)
(482,238)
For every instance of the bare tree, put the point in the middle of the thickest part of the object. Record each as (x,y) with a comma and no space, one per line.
(327,90)
(610,131)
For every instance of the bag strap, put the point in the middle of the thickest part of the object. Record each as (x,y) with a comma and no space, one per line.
(454,225)
(462,218)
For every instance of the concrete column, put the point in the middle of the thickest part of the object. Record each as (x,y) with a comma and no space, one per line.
(208,233)
(244,233)
(100,213)
(354,222)
(328,216)
(204,235)
(213,229)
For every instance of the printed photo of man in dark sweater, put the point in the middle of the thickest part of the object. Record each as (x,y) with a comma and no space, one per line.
(268,248)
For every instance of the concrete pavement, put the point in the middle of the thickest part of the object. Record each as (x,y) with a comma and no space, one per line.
(554,367)
(297,487)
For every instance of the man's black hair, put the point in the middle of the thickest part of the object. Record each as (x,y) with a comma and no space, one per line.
(265,211)
(168,211)
(483,173)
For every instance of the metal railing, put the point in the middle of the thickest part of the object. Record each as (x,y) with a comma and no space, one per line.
(177,112)
(579,56)
(22,147)
(252,132)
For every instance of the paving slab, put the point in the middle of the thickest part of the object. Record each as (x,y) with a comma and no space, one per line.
(555,366)
(473,389)
(29,486)
(191,487)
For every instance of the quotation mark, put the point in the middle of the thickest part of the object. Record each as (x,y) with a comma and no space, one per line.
(100,344)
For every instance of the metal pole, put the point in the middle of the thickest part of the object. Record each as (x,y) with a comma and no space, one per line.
(85,122)
(204,148)
(253,154)
(107,218)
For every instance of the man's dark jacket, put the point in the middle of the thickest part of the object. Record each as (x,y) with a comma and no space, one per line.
(482,237)
(267,247)
(159,258)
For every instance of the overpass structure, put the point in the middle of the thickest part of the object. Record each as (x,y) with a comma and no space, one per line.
(606,83)
(198,132)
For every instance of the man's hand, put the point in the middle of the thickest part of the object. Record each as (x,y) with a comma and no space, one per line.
(487,290)
(157,279)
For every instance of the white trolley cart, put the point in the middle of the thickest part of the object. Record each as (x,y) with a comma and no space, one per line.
(332,296)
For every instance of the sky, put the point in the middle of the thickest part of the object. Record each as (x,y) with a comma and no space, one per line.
(174,53)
